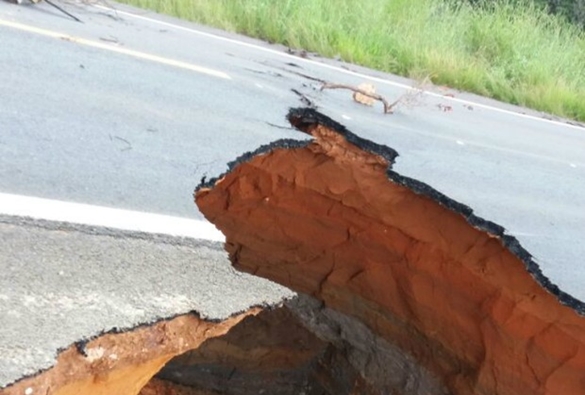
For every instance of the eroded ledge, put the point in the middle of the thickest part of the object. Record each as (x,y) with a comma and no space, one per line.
(123,363)
(402,291)
(331,219)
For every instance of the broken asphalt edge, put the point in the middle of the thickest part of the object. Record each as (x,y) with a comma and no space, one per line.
(80,344)
(303,117)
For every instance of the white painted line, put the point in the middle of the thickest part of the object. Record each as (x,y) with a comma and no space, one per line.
(460,142)
(338,69)
(523,234)
(117,49)
(345,116)
(85,214)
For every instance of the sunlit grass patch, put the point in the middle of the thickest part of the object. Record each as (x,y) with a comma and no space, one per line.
(511,51)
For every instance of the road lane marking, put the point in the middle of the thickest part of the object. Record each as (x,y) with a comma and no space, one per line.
(117,49)
(107,217)
(339,69)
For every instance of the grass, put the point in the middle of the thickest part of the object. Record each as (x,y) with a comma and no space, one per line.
(515,53)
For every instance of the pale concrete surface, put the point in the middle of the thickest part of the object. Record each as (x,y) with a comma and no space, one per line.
(60,284)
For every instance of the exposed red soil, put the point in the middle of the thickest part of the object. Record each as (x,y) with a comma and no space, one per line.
(325,219)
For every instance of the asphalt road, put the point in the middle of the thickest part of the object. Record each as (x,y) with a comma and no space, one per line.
(131,110)
(60,284)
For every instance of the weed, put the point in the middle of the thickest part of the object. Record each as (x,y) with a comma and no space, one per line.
(512,51)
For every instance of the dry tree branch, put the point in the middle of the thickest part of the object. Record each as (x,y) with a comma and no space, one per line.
(49,2)
(388,107)
(59,8)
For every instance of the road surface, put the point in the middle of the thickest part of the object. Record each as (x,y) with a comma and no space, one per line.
(129,110)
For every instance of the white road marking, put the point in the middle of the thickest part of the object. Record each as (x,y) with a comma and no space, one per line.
(460,142)
(85,214)
(573,165)
(338,69)
(523,234)
(345,116)
(117,49)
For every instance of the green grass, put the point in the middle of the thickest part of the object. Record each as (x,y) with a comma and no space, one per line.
(517,54)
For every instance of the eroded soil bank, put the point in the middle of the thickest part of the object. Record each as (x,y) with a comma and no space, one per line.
(402,291)
(329,218)
(298,347)
(122,363)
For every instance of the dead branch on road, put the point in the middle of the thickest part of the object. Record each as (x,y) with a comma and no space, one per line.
(388,107)
(49,2)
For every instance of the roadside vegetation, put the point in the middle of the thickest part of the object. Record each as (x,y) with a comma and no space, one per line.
(510,50)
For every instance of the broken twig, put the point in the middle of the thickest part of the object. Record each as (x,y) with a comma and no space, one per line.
(278,126)
(128,144)
(387,106)
(49,2)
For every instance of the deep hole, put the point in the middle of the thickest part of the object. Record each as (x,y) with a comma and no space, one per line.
(271,353)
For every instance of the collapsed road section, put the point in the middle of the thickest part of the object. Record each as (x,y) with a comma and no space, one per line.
(95,311)
(86,310)
(438,299)
(401,290)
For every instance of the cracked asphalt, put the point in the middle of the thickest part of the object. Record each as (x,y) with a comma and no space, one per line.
(124,110)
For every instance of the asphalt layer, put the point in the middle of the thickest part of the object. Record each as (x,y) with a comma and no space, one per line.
(84,124)
(60,284)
